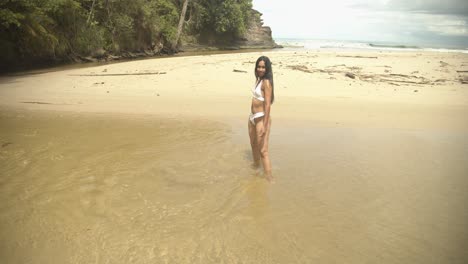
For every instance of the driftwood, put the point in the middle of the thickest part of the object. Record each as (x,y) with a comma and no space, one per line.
(239,71)
(443,63)
(395,78)
(6,144)
(403,81)
(359,57)
(119,74)
(390,78)
(302,68)
(44,103)
(350,75)
(35,103)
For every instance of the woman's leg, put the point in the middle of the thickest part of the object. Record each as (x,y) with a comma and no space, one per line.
(263,145)
(254,145)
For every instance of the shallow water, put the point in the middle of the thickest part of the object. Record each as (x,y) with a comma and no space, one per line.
(95,188)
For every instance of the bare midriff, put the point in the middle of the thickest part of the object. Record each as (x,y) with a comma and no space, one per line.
(257,106)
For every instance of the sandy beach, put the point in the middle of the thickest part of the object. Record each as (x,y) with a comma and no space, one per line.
(148,161)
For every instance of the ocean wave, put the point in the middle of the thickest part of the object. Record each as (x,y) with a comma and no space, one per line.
(311,44)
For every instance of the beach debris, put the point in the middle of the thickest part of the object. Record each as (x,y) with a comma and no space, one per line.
(354,68)
(443,64)
(105,70)
(350,75)
(415,91)
(118,74)
(6,144)
(107,91)
(298,68)
(359,57)
(235,70)
(395,78)
(302,68)
(464,80)
(44,103)
(157,94)
(35,102)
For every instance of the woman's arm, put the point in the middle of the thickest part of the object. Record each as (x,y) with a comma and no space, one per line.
(267,90)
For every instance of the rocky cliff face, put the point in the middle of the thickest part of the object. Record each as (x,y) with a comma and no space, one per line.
(257,35)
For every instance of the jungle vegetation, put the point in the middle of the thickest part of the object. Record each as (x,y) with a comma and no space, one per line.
(47,31)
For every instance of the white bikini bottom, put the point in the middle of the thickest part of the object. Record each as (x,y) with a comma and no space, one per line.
(255,115)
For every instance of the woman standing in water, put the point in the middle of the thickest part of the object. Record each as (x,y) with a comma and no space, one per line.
(259,119)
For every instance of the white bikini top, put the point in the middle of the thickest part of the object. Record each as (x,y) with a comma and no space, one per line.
(257,92)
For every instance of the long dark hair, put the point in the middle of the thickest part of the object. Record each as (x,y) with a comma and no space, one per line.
(268,74)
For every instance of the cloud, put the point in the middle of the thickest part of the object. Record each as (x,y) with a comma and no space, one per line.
(395,21)
(448,26)
(446,7)
(440,18)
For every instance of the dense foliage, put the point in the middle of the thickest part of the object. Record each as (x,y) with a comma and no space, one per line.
(220,20)
(33,31)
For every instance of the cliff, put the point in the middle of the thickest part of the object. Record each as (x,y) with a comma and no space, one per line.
(257,36)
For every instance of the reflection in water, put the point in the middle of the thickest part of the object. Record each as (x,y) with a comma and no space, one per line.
(81,188)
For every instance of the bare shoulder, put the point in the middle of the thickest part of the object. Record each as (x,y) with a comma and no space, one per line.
(266,83)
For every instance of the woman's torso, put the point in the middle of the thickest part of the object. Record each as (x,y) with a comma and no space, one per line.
(257,103)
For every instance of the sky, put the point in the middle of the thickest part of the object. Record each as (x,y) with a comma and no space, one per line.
(436,23)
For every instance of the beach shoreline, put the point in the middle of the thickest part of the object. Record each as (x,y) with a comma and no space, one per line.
(307,83)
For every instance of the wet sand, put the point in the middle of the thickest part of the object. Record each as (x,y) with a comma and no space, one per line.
(363,173)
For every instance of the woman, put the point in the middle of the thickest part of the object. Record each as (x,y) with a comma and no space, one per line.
(259,119)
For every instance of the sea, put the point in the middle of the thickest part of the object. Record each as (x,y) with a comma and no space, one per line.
(320,44)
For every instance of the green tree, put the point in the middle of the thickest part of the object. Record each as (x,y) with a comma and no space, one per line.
(221,20)
(44,31)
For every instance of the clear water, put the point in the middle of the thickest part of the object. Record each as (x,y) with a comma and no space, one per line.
(96,188)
